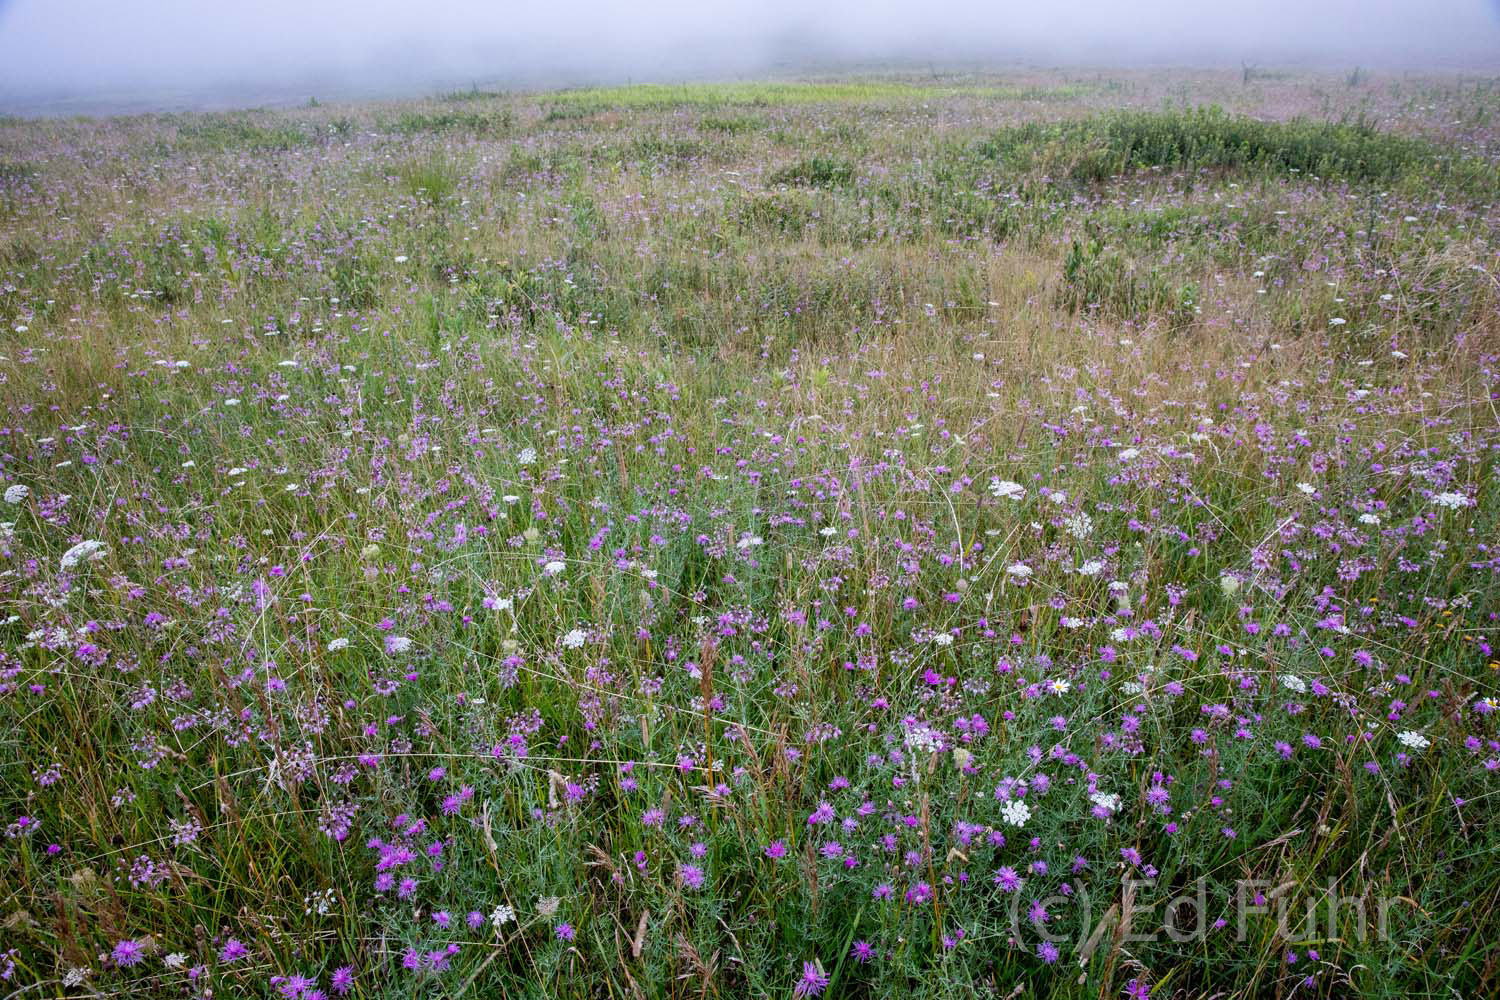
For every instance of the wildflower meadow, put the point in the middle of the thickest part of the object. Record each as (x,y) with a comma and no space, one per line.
(1026,535)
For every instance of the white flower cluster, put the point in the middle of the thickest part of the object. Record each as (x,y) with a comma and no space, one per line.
(85,551)
(1413,740)
(1004,489)
(1015,812)
(1452,501)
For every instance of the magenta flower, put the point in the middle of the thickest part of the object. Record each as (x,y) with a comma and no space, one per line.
(813,981)
(128,952)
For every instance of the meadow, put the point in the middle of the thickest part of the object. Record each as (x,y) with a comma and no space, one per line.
(871,537)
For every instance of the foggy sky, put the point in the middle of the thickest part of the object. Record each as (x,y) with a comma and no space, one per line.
(199,52)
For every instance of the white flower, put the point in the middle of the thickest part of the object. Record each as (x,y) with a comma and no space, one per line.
(828,532)
(237,471)
(1015,812)
(510,498)
(334,645)
(1413,740)
(1128,453)
(527,456)
(16,493)
(1106,801)
(574,638)
(1294,683)
(395,644)
(502,915)
(1337,321)
(1452,501)
(401,258)
(921,738)
(175,960)
(554,567)
(942,639)
(1018,570)
(1368,518)
(86,551)
(746,541)
(1059,686)
(1093,567)
(1079,525)
(1004,489)
(1307,488)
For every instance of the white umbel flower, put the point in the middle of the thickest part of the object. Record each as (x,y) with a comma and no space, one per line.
(1015,812)
(1413,740)
(1004,489)
(85,551)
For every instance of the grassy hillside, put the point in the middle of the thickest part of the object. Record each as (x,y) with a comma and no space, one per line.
(862,538)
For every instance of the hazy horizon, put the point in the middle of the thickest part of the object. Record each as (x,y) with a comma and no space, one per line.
(72,56)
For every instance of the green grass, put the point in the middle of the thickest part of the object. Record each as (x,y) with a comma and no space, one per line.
(432,179)
(476,123)
(1095,149)
(815,172)
(750,363)
(651,96)
(234,131)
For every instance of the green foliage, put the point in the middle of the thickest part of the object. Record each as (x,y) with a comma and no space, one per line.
(12,172)
(480,124)
(432,179)
(783,213)
(731,124)
(238,132)
(814,171)
(473,93)
(1093,150)
(1093,276)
